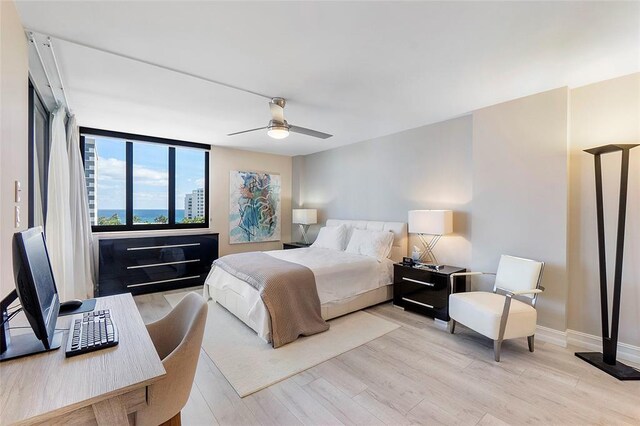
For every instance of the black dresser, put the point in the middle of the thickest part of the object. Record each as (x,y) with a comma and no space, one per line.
(425,291)
(151,264)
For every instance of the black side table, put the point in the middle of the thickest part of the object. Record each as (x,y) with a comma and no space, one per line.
(425,291)
(287,246)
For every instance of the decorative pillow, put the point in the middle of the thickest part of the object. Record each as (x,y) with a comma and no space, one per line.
(331,237)
(375,244)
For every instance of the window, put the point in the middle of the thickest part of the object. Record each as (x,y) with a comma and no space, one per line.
(38,158)
(190,177)
(139,182)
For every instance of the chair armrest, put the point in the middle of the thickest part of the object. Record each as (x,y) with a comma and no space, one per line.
(521,292)
(465,274)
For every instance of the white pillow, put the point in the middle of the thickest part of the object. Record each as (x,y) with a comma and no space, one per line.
(331,237)
(375,244)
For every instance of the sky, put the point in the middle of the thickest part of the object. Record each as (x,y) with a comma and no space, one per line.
(150,174)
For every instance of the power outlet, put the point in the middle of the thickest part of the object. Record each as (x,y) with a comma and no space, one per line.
(17,216)
(18,191)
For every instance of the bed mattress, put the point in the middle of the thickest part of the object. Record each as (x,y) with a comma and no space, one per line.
(342,279)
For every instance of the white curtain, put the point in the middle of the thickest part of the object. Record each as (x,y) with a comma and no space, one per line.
(83,267)
(58,227)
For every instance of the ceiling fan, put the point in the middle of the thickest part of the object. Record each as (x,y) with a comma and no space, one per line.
(278,128)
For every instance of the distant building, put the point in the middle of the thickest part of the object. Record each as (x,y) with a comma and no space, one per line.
(194,204)
(90,176)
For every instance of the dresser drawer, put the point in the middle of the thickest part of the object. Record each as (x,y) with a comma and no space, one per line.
(144,265)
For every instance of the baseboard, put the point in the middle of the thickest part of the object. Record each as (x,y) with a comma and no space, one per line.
(594,343)
(590,342)
(551,335)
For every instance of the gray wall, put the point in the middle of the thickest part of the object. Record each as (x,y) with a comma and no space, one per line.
(520,192)
(603,113)
(424,168)
(516,166)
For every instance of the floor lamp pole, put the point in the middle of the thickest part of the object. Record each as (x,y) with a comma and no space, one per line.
(606,361)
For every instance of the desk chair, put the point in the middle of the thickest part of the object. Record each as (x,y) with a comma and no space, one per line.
(500,316)
(177,337)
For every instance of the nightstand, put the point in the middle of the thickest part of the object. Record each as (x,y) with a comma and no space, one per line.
(287,246)
(425,291)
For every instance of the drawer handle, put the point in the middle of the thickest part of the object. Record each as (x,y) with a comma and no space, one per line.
(165,246)
(419,282)
(162,264)
(163,281)
(417,303)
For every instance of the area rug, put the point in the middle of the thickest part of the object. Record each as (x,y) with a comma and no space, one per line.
(250,364)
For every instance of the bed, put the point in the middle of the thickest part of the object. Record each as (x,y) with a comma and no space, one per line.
(345,282)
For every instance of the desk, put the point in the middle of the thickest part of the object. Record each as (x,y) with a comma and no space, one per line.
(106,386)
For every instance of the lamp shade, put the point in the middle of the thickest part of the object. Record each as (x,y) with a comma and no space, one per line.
(432,222)
(305,216)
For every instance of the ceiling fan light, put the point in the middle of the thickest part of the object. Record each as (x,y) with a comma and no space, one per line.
(278,132)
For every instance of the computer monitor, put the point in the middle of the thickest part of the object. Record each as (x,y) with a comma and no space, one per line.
(36,288)
(35,284)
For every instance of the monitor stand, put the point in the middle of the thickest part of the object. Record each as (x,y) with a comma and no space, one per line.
(22,344)
(28,344)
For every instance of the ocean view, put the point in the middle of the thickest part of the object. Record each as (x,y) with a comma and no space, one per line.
(146,215)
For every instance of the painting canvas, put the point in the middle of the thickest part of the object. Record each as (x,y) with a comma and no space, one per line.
(254,210)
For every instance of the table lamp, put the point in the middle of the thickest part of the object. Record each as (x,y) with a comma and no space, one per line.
(430,222)
(304,218)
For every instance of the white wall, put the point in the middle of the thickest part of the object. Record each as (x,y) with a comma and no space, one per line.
(383,178)
(604,113)
(14,105)
(520,192)
(223,160)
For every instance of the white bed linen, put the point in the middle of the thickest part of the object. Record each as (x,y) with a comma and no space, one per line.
(339,275)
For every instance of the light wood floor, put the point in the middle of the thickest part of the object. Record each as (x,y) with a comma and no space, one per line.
(419,374)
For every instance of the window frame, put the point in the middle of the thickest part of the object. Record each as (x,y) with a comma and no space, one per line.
(36,103)
(172,144)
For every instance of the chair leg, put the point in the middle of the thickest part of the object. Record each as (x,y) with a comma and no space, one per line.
(452,326)
(497,344)
(530,341)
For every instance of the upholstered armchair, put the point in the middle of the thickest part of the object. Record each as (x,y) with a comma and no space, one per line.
(499,315)
(177,338)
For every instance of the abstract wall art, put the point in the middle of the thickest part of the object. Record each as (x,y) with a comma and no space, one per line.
(254,209)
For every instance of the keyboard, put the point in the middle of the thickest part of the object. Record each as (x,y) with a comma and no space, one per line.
(90,332)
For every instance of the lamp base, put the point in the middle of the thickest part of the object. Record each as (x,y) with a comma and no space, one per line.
(620,371)
(303,231)
(428,256)
(435,267)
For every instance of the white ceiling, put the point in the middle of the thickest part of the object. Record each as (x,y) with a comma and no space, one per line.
(357,70)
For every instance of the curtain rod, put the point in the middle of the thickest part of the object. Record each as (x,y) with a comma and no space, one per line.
(164,67)
(44,68)
(55,62)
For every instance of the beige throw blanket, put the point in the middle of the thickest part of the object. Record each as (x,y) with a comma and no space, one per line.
(287,289)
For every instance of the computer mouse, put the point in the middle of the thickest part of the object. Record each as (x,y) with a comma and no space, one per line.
(71,304)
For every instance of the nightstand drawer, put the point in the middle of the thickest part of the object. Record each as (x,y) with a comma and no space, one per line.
(426,298)
(426,279)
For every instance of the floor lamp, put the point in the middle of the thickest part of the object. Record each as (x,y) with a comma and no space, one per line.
(606,361)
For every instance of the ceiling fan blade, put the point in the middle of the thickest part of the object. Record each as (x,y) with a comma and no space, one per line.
(309,132)
(277,110)
(246,131)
